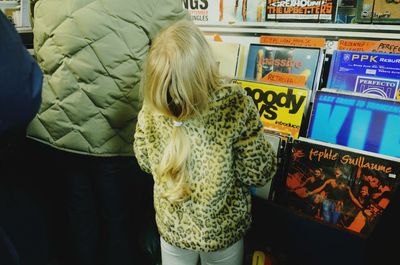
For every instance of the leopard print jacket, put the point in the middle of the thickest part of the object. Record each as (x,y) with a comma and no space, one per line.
(229,153)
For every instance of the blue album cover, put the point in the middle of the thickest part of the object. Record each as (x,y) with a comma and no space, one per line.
(365,123)
(365,72)
(294,62)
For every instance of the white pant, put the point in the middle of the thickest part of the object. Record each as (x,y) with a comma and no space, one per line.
(232,255)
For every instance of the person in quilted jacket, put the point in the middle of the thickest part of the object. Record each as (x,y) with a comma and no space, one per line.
(202,140)
(21,242)
(20,80)
(92,53)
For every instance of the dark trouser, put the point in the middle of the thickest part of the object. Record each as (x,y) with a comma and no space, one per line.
(24,230)
(8,253)
(95,207)
(101,196)
(23,233)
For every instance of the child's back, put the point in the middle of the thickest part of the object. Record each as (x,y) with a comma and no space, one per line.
(202,141)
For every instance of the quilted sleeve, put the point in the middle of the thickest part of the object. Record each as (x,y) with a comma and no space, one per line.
(255,160)
(140,146)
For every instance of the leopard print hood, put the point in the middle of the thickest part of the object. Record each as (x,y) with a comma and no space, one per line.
(229,153)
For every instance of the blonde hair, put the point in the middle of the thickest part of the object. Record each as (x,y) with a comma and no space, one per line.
(180,73)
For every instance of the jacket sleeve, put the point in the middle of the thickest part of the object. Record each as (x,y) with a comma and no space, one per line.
(255,160)
(20,79)
(140,146)
(165,13)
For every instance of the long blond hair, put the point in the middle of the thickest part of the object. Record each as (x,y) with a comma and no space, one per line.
(180,73)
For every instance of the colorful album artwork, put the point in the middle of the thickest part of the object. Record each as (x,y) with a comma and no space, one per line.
(294,10)
(241,10)
(201,11)
(339,186)
(378,11)
(281,108)
(357,121)
(211,11)
(366,72)
(291,66)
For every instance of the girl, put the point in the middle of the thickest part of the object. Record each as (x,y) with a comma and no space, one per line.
(203,142)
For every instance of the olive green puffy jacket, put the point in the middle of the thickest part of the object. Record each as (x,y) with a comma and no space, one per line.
(91,53)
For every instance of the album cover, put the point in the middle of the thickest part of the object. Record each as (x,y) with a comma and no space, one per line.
(265,192)
(202,10)
(284,65)
(343,187)
(226,10)
(357,121)
(227,56)
(365,72)
(302,11)
(241,10)
(378,11)
(18,12)
(281,108)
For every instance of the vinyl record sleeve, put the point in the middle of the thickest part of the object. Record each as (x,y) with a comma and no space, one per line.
(378,11)
(357,121)
(212,11)
(265,192)
(281,109)
(302,64)
(301,11)
(365,72)
(227,56)
(339,186)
